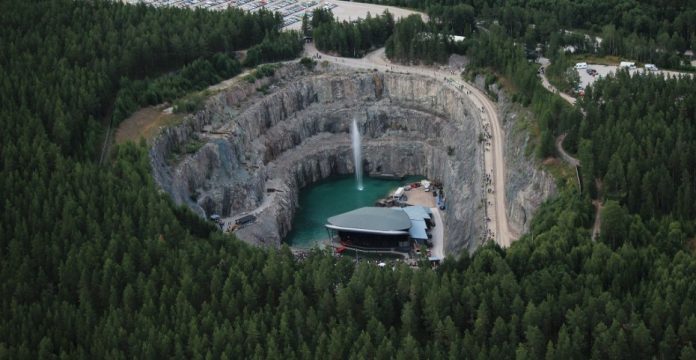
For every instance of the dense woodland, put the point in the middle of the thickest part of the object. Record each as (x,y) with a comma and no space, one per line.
(351,39)
(639,138)
(96,263)
(643,30)
(416,41)
(64,61)
(407,40)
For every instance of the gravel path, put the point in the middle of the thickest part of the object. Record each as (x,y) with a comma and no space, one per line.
(569,159)
(545,81)
(438,249)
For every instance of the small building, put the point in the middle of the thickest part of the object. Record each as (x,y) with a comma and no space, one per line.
(381,229)
(371,228)
(421,222)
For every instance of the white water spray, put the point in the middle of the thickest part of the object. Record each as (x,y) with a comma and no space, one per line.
(357,154)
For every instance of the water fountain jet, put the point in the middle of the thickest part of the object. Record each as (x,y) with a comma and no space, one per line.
(357,154)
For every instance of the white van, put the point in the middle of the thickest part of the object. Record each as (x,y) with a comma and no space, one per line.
(651,67)
(627,65)
(398,193)
(581,65)
(426,185)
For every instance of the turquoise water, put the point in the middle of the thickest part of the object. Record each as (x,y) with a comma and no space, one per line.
(333,196)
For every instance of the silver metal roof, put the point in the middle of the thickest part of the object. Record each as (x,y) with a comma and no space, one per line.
(417,231)
(417,212)
(372,219)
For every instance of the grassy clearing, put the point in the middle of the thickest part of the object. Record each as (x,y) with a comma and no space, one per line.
(145,123)
(596,59)
(562,172)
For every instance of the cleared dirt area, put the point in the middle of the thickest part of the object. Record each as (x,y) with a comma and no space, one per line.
(145,123)
(418,196)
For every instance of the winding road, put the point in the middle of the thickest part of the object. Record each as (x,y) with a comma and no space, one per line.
(494,160)
(545,81)
(564,155)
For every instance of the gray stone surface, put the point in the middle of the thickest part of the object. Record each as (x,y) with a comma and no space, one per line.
(263,150)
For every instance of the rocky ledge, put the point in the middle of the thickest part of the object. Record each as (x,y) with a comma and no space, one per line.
(248,152)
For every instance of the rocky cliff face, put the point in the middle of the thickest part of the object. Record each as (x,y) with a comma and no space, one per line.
(527,186)
(257,152)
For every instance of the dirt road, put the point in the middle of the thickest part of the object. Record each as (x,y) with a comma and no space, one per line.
(438,249)
(569,159)
(545,81)
(494,161)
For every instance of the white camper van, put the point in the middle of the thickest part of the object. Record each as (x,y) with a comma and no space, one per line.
(426,185)
(398,193)
(651,67)
(627,65)
(581,65)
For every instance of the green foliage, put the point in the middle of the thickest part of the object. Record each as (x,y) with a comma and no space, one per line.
(265,70)
(261,72)
(415,41)
(96,263)
(306,26)
(189,104)
(561,73)
(457,19)
(546,146)
(193,77)
(275,47)
(494,49)
(644,30)
(351,39)
(75,56)
(308,63)
(639,133)
(321,16)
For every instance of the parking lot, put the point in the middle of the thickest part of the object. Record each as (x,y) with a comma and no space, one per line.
(292,10)
(605,70)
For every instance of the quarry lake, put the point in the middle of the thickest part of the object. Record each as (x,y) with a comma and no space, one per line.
(333,196)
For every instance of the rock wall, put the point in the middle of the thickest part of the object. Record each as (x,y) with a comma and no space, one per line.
(258,152)
(527,186)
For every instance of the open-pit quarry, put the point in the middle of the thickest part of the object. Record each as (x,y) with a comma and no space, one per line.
(253,147)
